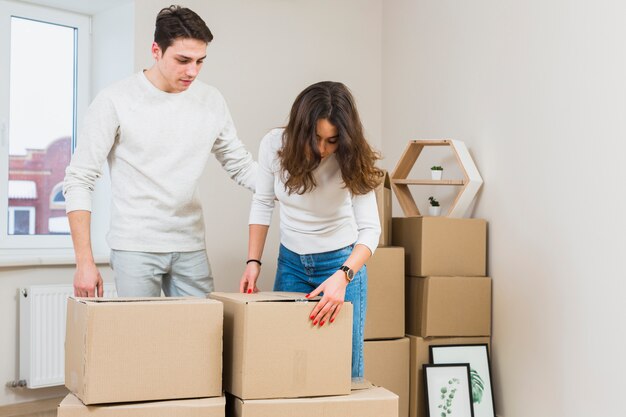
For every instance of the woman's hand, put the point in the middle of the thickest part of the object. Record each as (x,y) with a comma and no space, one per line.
(249,278)
(328,307)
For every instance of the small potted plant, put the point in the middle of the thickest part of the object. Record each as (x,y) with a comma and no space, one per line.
(434,209)
(436,172)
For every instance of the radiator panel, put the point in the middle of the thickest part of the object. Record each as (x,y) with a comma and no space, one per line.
(43,309)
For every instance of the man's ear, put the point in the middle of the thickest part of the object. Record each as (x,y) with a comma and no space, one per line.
(156,51)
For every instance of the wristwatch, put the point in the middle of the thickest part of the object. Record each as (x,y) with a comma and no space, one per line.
(348,271)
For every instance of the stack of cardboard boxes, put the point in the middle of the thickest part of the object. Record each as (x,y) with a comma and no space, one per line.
(276,363)
(143,357)
(448,296)
(163,357)
(386,350)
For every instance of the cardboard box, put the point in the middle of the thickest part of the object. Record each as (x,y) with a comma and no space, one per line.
(419,356)
(448,306)
(385,294)
(71,406)
(122,349)
(368,402)
(272,349)
(387,365)
(383,200)
(442,245)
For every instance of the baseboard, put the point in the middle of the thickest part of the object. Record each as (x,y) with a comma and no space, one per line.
(39,408)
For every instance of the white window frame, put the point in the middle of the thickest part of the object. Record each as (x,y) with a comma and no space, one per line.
(27,244)
(31,219)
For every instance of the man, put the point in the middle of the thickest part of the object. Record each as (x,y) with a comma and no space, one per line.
(156,129)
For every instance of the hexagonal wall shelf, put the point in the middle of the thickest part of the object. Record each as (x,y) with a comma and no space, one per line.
(470,184)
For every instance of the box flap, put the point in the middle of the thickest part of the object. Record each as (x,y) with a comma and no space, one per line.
(368,395)
(100,300)
(263,296)
(72,402)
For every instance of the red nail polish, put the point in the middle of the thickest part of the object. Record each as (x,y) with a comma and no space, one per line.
(322,323)
(331,320)
(307,296)
(249,291)
(312,316)
(315,322)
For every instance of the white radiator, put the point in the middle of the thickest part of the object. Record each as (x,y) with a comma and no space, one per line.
(42,333)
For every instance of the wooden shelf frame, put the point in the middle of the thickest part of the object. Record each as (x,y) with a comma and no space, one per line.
(470,183)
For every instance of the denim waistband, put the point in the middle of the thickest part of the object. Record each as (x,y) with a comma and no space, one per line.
(286,251)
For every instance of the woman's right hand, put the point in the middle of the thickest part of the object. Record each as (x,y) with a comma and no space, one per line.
(249,278)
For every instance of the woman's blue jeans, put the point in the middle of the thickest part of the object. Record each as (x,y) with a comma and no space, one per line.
(304,273)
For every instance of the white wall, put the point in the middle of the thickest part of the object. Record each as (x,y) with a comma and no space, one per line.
(537,91)
(263,54)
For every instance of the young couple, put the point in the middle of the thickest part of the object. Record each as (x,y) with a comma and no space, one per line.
(157,129)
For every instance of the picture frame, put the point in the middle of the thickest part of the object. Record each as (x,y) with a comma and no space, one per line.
(477,355)
(448,390)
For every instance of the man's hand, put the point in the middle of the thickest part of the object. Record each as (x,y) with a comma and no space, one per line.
(328,308)
(87,281)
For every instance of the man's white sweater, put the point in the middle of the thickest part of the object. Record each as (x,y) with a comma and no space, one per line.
(157,145)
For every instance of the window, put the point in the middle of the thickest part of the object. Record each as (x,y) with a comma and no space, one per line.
(57,199)
(44,71)
(21,220)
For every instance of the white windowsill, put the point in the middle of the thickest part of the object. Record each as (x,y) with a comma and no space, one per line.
(42,260)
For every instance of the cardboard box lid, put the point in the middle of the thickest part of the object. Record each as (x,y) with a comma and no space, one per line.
(359,391)
(263,296)
(371,402)
(71,406)
(140,300)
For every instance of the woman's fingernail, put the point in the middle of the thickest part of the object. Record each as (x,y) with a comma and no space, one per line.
(312,316)
(322,323)
(315,322)
(331,320)
(249,291)
(307,296)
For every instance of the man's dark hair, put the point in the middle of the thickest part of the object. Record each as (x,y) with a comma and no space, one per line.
(179,22)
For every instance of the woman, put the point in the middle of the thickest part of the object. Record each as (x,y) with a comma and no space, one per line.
(321,170)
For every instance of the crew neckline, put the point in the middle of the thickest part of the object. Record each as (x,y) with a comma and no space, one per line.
(155,89)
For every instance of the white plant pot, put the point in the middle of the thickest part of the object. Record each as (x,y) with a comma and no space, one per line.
(434,211)
(436,174)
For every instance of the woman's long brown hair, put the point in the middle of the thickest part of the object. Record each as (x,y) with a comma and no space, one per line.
(299,155)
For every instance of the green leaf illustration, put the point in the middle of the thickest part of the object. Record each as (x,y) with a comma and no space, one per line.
(478,386)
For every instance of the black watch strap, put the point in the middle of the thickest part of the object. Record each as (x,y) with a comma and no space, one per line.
(349,272)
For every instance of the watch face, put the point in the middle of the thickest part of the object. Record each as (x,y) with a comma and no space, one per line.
(348,271)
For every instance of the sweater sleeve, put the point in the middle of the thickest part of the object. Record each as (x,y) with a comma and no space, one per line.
(233,155)
(264,196)
(367,220)
(96,138)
